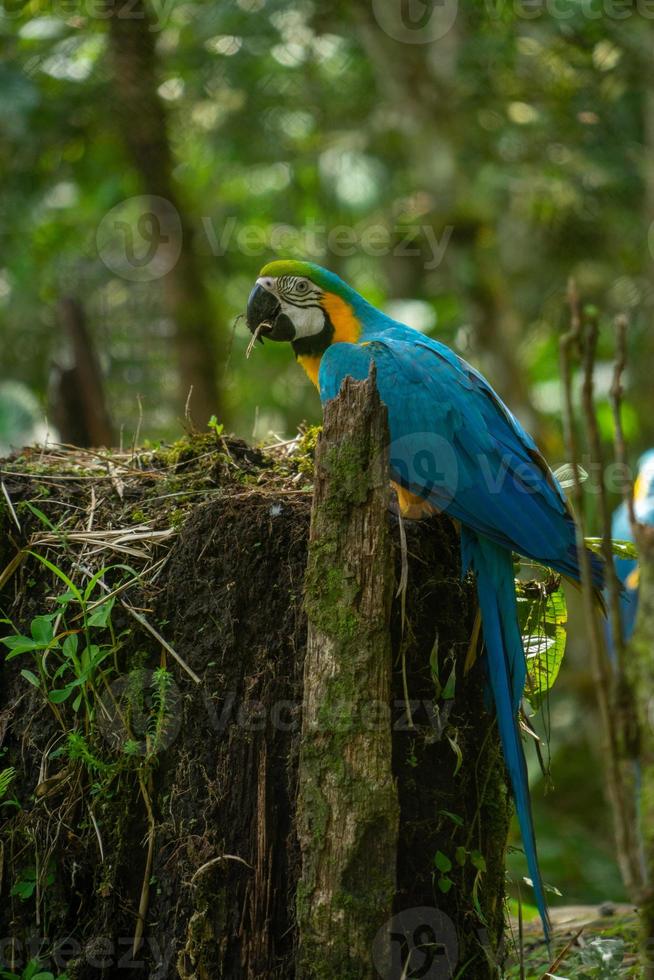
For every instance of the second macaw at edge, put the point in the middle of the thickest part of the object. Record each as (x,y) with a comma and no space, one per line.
(627,568)
(454,447)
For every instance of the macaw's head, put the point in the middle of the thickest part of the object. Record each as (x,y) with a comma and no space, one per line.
(304,304)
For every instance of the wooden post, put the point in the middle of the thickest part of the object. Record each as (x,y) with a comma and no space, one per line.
(347,814)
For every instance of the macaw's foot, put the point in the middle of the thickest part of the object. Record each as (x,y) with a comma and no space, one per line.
(408,505)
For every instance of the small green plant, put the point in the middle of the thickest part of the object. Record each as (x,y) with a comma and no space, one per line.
(33,971)
(443,866)
(25,885)
(543,617)
(78,750)
(159,720)
(67,658)
(215,426)
(74,665)
(6,779)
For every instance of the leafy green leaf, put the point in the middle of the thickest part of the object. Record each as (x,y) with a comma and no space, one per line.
(102,615)
(40,516)
(621,549)
(31,677)
(445,883)
(478,860)
(70,645)
(6,778)
(41,630)
(450,685)
(542,618)
(457,751)
(25,887)
(442,861)
(72,588)
(454,817)
(19,644)
(59,695)
(65,598)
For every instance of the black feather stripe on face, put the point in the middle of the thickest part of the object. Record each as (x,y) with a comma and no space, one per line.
(298,291)
(317,343)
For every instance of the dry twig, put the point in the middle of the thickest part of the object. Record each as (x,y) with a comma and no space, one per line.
(573,343)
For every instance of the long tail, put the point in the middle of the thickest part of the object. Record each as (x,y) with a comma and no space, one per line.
(493,566)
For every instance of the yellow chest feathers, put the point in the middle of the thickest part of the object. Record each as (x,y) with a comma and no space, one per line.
(347,329)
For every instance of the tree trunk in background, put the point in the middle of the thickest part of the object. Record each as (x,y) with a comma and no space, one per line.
(142,120)
(419,84)
(79,408)
(348,811)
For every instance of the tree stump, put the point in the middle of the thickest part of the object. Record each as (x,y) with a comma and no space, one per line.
(241,853)
(347,815)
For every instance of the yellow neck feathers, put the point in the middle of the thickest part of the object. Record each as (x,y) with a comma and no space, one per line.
(347,330)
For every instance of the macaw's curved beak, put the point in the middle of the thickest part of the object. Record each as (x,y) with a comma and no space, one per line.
(264,317)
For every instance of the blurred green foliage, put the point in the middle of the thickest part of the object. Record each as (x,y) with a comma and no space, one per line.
(458,183)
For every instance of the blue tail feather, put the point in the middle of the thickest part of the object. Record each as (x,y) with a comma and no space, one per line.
(493,566)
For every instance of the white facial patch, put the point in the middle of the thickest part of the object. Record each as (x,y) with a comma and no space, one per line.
(307,320)
(300,301)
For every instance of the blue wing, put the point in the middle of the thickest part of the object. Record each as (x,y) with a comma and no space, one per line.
(454,443)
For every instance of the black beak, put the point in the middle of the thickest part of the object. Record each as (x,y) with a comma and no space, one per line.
(264,311)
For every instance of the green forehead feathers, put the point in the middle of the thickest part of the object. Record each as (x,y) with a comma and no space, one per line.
(322,277)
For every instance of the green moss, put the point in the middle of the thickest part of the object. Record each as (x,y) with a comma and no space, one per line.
(306,450)
(184,450)
(177,517)
(349,479)
(330,596)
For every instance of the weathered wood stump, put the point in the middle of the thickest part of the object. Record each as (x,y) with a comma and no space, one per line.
(347,816)
(391,851)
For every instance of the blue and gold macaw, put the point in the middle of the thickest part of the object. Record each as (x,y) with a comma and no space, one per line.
(627,568)
(454,447)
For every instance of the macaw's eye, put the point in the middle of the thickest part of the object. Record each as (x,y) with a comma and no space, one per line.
(302,286)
